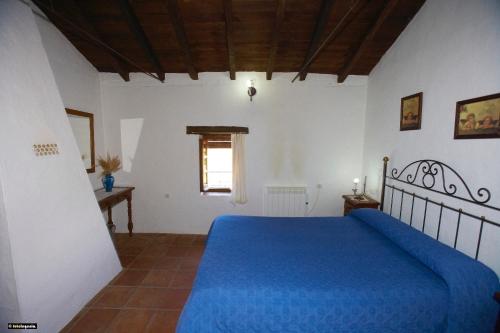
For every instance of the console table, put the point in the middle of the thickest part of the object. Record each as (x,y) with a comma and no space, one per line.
(107,200)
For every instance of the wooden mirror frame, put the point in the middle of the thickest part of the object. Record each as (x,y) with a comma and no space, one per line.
(91,122)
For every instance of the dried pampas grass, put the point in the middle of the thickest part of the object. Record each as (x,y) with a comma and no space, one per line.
(109,164)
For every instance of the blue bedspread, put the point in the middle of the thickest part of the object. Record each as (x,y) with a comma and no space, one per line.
(332,274)
(471,284)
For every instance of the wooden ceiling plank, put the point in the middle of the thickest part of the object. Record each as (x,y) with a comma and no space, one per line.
(79,16)
(140,35)
(336,31)
(178,25)
(280,17)
(323,17)
(228,12)
(384,14)
(253,23)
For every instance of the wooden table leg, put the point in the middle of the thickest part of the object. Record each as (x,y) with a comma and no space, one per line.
(129,208)
(111,225)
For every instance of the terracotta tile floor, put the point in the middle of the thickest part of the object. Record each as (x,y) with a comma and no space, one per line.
(148,295)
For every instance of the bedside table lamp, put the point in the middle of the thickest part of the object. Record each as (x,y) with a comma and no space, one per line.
(355,188)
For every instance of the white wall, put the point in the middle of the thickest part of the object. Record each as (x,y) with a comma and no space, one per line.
(306,133)
(60,248)
(9,304)
(450,52)
(77,81)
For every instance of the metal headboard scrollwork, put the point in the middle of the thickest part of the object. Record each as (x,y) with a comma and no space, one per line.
(434,176)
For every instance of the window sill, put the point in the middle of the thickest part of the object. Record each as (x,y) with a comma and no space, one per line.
(215,194)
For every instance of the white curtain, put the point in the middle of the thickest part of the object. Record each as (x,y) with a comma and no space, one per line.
(238,191)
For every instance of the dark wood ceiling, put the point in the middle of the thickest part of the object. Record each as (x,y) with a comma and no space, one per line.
(192,36)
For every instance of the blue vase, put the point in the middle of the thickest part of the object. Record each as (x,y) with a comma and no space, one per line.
(107,182)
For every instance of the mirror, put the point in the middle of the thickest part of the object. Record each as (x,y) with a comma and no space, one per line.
(82,124)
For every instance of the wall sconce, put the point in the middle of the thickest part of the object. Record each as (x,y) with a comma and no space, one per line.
(251,89)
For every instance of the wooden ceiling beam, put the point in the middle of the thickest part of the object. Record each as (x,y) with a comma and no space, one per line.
(352,60)
(228,13)
(324,15)
(280,18)
(338,29)
(205,21)
(178,25)
(140,36)
(79,16)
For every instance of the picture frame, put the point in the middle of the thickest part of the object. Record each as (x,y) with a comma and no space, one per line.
(411,112)
(478,118)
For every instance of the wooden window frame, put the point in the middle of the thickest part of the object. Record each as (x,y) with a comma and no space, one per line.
(202,146)
(202,130)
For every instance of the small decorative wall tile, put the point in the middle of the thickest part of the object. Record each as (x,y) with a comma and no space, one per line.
(45,149)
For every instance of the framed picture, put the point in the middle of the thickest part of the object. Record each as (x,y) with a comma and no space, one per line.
(478,118)
(411,112)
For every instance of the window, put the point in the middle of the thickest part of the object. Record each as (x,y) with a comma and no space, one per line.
(216,159)
(216,162)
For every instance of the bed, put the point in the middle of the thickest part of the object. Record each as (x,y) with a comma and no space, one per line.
(366,272)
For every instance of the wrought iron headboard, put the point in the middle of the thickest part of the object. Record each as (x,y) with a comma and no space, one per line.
(433,175)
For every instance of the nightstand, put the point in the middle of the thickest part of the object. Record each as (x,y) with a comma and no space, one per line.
(358,201)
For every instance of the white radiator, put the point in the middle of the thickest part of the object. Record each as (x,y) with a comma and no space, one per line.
(285,201)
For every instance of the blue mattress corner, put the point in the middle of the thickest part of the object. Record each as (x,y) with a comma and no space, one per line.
(471,284)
